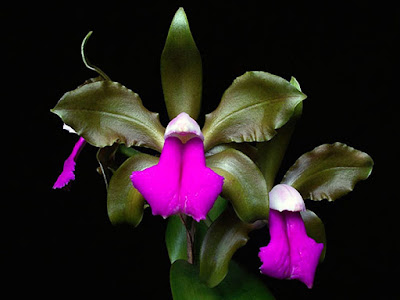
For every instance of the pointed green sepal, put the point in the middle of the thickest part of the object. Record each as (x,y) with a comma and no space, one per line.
(181,69)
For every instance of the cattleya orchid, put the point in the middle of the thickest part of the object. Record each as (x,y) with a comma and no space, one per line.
(220,175)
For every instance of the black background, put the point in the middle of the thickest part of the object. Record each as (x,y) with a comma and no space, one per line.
(56,243)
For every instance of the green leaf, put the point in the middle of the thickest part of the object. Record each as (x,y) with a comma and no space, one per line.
(244,185)
(251,109)
(238,284)
(329,171)
(186,285)
(124,203)
(315,229)
(105,112)
(242,285)
(175,239)
(181,69)
(223,238)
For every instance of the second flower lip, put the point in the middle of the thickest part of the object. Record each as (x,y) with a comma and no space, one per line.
(291,253)
(184,128)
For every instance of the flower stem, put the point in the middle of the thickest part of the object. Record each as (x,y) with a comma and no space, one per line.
(190,226)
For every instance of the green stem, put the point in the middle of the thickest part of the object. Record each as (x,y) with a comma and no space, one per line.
(127,151)
(86,60)
(190,227)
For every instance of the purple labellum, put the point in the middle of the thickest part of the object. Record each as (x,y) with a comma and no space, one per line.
(181,182)
(290,254)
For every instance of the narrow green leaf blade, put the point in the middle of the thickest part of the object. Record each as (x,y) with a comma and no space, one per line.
(105,112)
(330,171)
(244,185)
(175,239)
(181,69)
(251,109)
(124,203)
(223,238)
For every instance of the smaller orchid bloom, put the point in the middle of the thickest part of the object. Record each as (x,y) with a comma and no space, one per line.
(290,254)
(67,173)
(181,182)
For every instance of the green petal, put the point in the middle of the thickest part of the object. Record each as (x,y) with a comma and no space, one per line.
(251,109)
(244,185)
(181,69)
(330,171)
(124,203)
(104,112)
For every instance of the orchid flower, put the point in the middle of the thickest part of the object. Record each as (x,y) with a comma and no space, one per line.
(180,182)
(290,254)
(193,163)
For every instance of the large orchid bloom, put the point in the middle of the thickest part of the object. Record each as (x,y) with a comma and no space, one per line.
(180,182)
(291,254)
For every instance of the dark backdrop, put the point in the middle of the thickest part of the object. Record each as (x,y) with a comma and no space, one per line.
(56,243)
